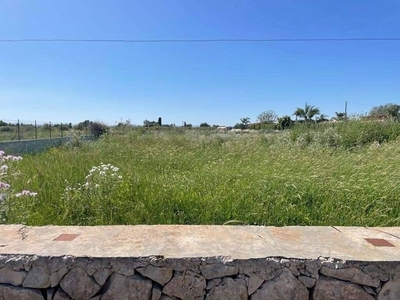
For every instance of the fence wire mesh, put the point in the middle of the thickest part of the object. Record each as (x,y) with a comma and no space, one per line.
(17,130)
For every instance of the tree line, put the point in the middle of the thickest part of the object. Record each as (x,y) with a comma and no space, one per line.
(311,113)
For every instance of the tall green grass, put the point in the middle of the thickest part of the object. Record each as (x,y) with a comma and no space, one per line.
(330,174)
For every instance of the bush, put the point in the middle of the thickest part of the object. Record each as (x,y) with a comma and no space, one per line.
(284,123)
(6,129)
(239,126)
(98,128)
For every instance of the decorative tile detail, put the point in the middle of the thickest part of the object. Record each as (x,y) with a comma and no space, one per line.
(66,237)
(380,242)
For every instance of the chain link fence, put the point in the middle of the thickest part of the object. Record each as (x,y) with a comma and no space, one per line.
(18,130)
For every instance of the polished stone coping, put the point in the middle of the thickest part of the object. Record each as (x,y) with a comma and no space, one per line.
(185,241)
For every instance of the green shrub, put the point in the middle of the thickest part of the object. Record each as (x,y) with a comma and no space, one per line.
(284,122)
(98,128)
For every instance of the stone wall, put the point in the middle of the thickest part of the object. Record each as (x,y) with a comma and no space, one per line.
(32,146)
(35,277)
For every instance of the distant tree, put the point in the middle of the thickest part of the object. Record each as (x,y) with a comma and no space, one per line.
(307,113)
(268,116)
(239,126)
(83,125)
(340,116)
(299,113)
(284,122)
(388,110)
(245,120)
(98,128)
(323,118)
(204,125)
(2,123)
(147,123)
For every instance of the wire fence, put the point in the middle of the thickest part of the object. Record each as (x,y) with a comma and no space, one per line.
(18,130)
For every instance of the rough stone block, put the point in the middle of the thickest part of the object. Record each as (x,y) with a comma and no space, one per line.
(156,292)
(61,295)
(255,282)
(56,277)
(264,268)
(351,274)
(9,276)
(129,288)
(212,283)
(232,289)
(159,275)
(188,285)
(285,286)
(307,281)
(101,276)
(79,285)
(390,290)
(218,270)
(333,289)
(8,292)
(37,278)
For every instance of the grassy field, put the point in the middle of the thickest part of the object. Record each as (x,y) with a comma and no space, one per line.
(330,174)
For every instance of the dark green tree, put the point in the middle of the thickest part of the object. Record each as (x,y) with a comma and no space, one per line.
(307,113)
(239,126)
(284,122)
(387,110)
(245,121)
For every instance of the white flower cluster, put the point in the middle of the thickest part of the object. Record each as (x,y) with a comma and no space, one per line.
(26,193)
(104,170)
(104,176)
(4,186)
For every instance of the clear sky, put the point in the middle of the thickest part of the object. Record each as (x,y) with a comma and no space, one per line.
(218,83)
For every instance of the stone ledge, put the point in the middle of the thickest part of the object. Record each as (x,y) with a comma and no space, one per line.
(234,242)
(199,262)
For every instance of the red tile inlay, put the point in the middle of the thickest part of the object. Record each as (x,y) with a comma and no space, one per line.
(66,237)
(380,243)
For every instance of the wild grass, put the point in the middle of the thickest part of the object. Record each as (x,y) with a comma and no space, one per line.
(333,174)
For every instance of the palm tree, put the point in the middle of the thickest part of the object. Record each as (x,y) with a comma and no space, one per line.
(322,118)
(340,116)
(308,112)
(299,113)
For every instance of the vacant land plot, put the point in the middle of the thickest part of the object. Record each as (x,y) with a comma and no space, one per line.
(343,174)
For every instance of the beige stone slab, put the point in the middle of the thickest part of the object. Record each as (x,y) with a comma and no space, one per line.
(364,250)
(236,242)
(9,234)
(172,241)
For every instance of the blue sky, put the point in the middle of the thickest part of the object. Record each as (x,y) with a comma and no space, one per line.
(218,83)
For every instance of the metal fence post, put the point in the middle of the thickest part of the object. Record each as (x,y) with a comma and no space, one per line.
(19,132)
(50,128)
(61,130)
(35,131)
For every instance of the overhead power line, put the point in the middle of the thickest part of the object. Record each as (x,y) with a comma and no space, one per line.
(360,39)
